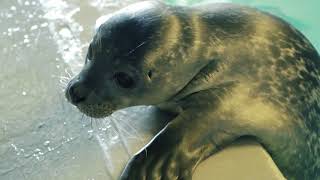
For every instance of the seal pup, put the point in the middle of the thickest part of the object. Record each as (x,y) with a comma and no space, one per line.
(223,71)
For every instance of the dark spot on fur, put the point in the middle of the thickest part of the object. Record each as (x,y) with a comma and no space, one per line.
(150,74)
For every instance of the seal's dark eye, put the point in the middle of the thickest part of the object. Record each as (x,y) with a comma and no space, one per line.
(123,80)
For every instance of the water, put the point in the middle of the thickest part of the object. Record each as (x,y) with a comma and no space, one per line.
(43,43)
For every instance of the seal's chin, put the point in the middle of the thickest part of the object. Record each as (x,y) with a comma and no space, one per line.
(96,110)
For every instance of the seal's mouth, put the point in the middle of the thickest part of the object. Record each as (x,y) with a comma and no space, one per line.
(96,110)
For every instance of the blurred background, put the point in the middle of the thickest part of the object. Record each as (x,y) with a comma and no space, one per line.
(42,45)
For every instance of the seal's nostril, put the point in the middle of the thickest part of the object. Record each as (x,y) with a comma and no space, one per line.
(76,93)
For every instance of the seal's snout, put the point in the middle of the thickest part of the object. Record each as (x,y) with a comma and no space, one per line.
(76,92)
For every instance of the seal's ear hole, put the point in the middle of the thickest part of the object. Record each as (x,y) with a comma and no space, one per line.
(123,80)
(150,74)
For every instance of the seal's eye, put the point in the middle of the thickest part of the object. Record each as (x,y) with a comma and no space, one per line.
(123,80)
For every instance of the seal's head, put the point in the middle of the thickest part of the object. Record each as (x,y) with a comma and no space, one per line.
(114,75)
(130,62)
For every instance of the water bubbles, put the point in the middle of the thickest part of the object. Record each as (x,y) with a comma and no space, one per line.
(27,3)
(9,15)
(90,131)
(37,150)
(46,143)
(38,154)
(13,8)
(11,30)
(34,27)
(24,93)
(65,32)
(90,134)
(17,150)
(26,41)
(44,24)
(16,29)
(115,138)
(14,147)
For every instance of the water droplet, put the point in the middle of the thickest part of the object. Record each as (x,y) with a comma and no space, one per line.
(24,93)
(27,3)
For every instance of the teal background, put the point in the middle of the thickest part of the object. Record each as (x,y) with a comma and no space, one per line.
(304,15)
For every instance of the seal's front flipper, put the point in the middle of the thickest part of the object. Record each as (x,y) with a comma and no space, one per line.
(166,157)
(175,152)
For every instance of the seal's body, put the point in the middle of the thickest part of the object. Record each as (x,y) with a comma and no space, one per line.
(224,71)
